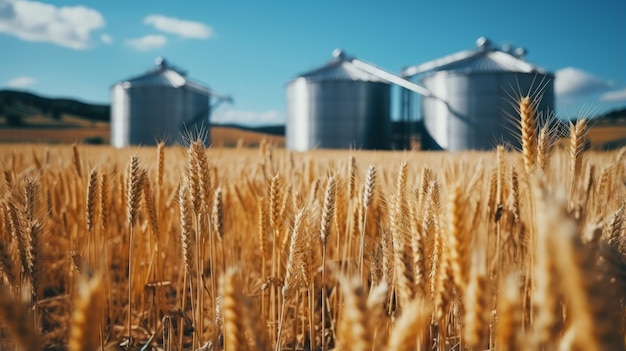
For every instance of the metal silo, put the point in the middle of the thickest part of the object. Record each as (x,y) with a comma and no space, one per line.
(339,105)
(162,104)
(472,96)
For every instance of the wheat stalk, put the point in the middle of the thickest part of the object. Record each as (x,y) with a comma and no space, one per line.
(477,304)
(293,277)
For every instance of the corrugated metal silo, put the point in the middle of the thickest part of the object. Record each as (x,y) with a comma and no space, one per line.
(338,106)
(473,92)
(162,104)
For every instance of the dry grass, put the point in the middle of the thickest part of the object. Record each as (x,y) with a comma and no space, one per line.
(65,133)
(175,249)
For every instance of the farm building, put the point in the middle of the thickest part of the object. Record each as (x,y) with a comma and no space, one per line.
(468,101)
(162,104)
(473,94)
(343,104)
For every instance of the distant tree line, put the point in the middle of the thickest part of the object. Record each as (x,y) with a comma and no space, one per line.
(54,108)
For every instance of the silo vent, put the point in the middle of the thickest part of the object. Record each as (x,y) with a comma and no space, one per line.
(339,54)
(483,42)
(521,52)
(160,62)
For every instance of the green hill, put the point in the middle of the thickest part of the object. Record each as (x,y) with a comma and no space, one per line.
(18,106)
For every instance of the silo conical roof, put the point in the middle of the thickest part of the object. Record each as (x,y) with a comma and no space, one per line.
(339,68)
(164,75)
(485,58)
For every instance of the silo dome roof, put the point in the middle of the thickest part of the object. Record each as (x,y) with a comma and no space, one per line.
(339,68)
(484,58)
(164,75)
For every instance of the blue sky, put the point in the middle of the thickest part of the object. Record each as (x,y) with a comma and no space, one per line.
(251,49)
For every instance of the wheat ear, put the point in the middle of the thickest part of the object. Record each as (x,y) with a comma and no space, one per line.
(150,207)
(7,265)
(528,124)
(230,290)
(217,214)
(203,170)
(92,203)
(20,235)
(576,146)
(104,200)
(76,160)
(354,327)
(410,328)
(509,312)
(186,225)
(544,148)
(86,323)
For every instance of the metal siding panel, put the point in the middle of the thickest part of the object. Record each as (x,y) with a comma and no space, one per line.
(298,101)
(156,113)
(337,114)
(477,104)
(435,112)
(119,116)
(196,116)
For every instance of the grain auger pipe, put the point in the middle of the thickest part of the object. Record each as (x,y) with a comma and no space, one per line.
(383,74)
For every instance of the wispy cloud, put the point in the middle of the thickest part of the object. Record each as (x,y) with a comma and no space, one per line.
(21,82)
(571,81)
(614,96)
(182,28)
(147,43)
(106,38)
(226,115)
(67,26)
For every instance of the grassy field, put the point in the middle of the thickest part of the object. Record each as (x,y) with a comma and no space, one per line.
(601,135)
(43,130)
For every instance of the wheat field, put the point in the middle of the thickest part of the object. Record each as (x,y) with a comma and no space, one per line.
(264,249)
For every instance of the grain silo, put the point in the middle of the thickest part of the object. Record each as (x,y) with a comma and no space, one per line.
(472,95)
(162,104)
(338,106)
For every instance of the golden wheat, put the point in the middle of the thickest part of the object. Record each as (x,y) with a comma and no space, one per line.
(230,249)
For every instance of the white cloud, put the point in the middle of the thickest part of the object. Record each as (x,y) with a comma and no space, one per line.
(67,26)
(614,96)
(182,28)
(226,115)
(21,82)
(571,81)
(107,39)
(147,43)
